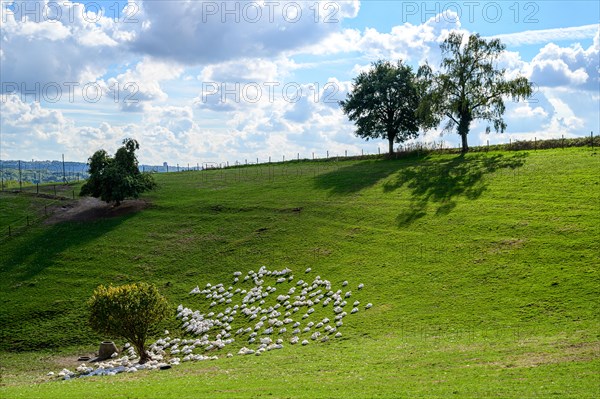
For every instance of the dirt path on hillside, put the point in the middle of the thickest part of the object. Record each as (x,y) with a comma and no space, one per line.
(89,208)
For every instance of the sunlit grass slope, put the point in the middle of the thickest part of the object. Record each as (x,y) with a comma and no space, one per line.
(483,272)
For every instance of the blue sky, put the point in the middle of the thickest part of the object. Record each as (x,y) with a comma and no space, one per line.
(214,81)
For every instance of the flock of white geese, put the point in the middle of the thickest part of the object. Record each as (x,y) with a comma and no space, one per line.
(268,309)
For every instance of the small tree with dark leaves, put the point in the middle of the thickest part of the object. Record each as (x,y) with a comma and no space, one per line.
(115,179)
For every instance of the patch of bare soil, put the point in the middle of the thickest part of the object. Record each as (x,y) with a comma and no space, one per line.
(88,209)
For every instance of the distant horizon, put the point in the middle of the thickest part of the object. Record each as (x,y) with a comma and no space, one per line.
(250,161)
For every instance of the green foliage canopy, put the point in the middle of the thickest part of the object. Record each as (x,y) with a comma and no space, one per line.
(469,86)
(383,103)
(128,311)
(115,179)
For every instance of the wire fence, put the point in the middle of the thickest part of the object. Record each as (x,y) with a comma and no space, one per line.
(23,174)
(21,209)
(16,174)
(400,151)
(45,198)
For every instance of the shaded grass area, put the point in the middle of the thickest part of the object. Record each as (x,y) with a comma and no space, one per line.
(20,209)
(487,242)
(14,209)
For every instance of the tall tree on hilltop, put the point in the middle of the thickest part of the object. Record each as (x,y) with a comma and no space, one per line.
(383,103)
(468,86)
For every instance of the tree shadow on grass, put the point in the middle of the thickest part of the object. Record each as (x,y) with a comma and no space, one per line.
(35,250)
(441,181)
(356,177)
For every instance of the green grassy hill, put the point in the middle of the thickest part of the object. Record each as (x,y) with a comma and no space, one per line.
(483,272)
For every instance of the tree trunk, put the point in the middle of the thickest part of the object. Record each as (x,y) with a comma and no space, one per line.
(144,357)
(391,144)
(465,145)
(463,130)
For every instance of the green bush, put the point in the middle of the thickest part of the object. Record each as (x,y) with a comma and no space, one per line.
(130,311)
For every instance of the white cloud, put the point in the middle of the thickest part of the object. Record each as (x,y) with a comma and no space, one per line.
(542,36)
(347,8)
(47,42)
(407,41)
(527,111)
(572,67)
(22,115)
(246,83)
(37,132)
(171,53)
(137,87)
(164,132)
(249,70)
(96,38)
(564,118)
(557,73)
(40,30)
(204,32)
(551,113)
(344,41)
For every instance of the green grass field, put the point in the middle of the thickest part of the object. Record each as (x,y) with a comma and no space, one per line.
(483,272)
